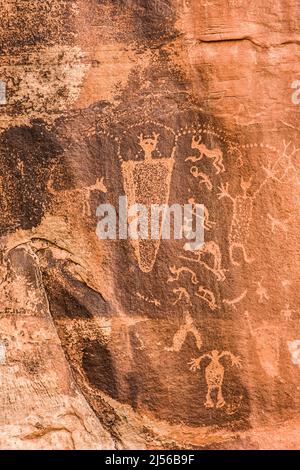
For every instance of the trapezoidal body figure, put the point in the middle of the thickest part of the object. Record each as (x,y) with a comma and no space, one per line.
(147,182)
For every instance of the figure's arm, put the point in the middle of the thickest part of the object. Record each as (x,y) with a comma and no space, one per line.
(195,363)
(235,360)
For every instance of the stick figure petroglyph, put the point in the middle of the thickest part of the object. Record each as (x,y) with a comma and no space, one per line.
(182,294)
(181,335)
(261,291)
(178,271)
(216,154)
(209,248)
(208,296)
(214,375)
(155,302)
(287,312)
(203,177)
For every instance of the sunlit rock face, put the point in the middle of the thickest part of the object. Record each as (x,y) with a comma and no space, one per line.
(123,343)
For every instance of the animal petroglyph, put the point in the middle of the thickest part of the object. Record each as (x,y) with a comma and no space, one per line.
(148,182)
(214,375)
(208,296)
(178,271)
(182,294)
(215,154)
(180,336)
(84,192)
(212,249)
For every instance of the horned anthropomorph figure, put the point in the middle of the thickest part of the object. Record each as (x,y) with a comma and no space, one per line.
(214,375)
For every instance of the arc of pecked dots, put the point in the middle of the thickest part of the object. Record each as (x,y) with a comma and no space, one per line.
(188,130)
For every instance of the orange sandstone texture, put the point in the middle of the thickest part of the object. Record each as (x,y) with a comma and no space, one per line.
(109,344)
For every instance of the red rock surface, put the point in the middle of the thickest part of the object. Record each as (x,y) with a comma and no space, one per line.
(128,344)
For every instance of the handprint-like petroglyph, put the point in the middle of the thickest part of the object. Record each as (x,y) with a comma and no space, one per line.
(214,375)
(212,249)
(178,271)
(208,297)
(216,154)
(182,294)
(181,335)
(261,292)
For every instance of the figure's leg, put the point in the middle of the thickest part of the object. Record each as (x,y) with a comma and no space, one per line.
(215,164)
(209,403)
(245,256)
(222,167)
(220,398)
(197,336)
